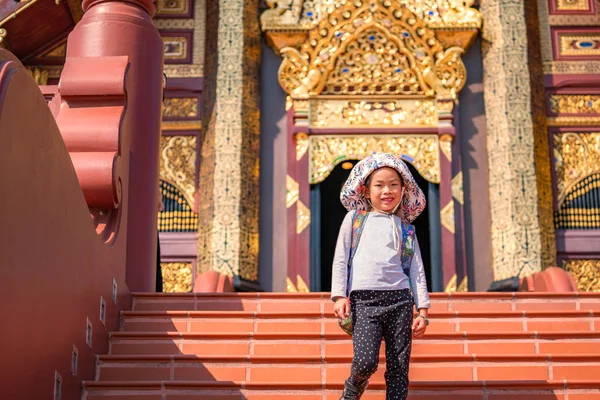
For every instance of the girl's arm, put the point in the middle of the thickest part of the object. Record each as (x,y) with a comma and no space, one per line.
(417,279)
(339,270)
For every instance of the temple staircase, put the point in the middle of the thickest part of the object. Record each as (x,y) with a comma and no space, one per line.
(267,346)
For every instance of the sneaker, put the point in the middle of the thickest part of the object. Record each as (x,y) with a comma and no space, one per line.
(353,392)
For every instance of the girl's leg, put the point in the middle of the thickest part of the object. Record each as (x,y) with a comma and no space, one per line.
(366,339)
(397,333)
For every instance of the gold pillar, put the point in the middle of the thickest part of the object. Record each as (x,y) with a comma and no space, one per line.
(229,186)
(521,235)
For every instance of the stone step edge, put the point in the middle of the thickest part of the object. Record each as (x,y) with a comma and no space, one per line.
(328,315)
(450,385)
(342,335)
(296,359)
(326,296)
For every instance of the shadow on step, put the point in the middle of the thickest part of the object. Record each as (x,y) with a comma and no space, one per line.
(173,346)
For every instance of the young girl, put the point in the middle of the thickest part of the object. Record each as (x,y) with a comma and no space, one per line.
(380,271)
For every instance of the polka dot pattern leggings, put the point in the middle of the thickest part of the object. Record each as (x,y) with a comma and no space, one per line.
(386,314)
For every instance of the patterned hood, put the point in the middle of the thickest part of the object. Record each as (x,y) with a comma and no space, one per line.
(352,195)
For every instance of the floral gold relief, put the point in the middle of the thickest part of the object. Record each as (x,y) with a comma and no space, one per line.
(443,14)
(180,107)
(446,146)
(376,48)
(572,5)
(328,151)
(292,191)
(302,217)
(302,144)
(577,156)
(447,216)
(586,274)
(575,104)
(457,188)
(177,277)
(302,286)
(228,239)
(178,164)
(517,235)
(372,113)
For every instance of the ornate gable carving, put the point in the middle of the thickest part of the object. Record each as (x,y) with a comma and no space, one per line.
(371,48)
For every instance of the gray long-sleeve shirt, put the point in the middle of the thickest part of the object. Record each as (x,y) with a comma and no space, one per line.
(376,264)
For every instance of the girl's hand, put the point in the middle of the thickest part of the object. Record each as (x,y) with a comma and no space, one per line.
(419,327)
(341,309)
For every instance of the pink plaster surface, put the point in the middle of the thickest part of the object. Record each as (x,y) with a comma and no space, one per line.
(55,267)
(79,183)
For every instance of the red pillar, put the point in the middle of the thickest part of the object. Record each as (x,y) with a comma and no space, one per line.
(119,28)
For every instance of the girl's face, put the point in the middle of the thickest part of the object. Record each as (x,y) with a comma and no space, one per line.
(385,189)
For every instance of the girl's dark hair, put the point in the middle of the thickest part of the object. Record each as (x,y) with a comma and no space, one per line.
(368,180)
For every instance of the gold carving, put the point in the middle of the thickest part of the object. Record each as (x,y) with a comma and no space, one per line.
(441,14)
(373,62)
(326,152)
(447,216)
(175,24)
(171,7)
(572,67)
(177,214)
(175,47)
(177,277)
(572,5)
(451,73)
(302,286)
(281,12)
(39,75)
(451,285)
(290,287)
(574,121)
(185,107)
(184,70)
(178,164)
(457,188)
(445,13)
(58,51)
(302,217)
(181,125)
(373,49)
(302,144)
(446,146)
(444,106)
(464,285)
(575,104)
(372,113)
(3,34)
(577,155)
(53,71)
(570,45)
(586,274)
(292,191)
(572,19)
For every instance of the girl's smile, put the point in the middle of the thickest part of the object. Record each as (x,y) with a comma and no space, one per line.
(384,188)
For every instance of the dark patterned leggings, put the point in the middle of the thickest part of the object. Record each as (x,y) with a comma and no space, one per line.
(383,314)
